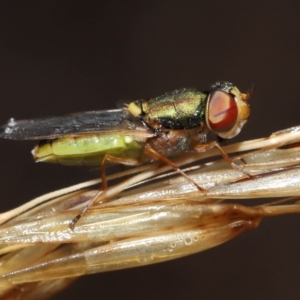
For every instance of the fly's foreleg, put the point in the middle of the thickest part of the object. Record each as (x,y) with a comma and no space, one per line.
(210,145)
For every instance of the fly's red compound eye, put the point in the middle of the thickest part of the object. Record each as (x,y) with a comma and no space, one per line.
(222,112)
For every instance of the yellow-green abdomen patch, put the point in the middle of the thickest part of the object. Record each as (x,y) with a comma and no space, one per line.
(86,150)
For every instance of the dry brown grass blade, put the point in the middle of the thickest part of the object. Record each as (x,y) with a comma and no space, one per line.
(146,224)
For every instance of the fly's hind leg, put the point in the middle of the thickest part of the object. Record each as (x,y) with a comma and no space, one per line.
(117,160)
(210,145)
(156,155)
(111,158)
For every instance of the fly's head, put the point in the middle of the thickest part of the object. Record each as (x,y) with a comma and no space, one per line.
(227,109)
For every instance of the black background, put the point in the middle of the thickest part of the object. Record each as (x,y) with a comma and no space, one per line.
(58,57)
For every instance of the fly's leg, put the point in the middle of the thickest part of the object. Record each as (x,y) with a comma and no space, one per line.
(117,160)
(156,155)
(111,158)
(210,145)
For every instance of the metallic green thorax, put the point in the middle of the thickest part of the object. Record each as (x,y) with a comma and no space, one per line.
(181,109)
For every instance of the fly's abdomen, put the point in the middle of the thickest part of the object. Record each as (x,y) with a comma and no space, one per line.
(86,150)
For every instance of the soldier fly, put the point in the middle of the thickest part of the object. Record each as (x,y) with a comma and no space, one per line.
(156,128)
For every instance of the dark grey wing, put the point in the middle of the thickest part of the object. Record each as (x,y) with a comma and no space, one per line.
(71,125)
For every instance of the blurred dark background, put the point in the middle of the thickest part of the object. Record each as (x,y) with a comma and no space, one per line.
(58,57)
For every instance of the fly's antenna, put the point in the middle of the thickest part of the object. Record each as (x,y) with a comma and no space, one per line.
(250,91)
